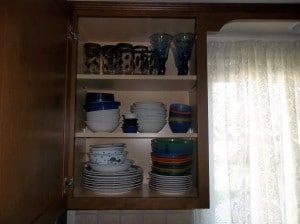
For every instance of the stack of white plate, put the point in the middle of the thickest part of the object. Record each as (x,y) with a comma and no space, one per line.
(110,183)
(151,115)
(170,184)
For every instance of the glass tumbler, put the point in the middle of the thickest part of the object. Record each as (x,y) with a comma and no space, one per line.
(124,54)
(140,60)
(151,62)
(182,51)
(108,59)
(160,44)
(92,58)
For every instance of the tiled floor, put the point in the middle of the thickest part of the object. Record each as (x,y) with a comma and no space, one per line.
(131,217)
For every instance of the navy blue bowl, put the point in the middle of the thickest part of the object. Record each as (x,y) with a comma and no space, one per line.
(130,128)
(104,105)
(98,97)
(180,126)
(130,122)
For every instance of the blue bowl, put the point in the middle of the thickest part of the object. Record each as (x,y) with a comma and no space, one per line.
(173,114)
(181,108)
(130,122)
(180,126)
(130,128)
(104,105)
(98,97)
(172,146)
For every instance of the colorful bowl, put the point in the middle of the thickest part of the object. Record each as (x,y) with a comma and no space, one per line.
(174,172)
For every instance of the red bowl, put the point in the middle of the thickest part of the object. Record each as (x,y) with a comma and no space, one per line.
(170,159)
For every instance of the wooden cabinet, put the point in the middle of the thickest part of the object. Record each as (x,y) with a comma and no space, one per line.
(129,88)
(36,135)
(112,23)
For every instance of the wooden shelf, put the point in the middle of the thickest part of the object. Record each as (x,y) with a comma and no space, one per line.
(137,82)
(143,191)
(133,135)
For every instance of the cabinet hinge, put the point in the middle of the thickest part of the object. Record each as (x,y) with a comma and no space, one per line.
(68,183)
(73,34)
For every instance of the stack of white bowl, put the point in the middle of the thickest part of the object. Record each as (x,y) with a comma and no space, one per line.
(151,115)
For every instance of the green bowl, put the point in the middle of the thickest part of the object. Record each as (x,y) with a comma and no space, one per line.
(172,146)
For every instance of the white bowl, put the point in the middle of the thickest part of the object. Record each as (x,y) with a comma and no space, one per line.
(130,115)
(102,126)
(152,118)
(112,145)
(152,123)
(107,158)
(112,151)
(151,127)
(103,112)
(110,168)
(114,115)
(148,104)
(105,119)
(107,148)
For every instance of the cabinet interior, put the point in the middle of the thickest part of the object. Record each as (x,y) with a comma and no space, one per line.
(127,89)
(132,30)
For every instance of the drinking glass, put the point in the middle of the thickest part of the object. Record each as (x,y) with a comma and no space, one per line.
(109,59)
(140,60)
(160,44)
(182,51)
(92,58)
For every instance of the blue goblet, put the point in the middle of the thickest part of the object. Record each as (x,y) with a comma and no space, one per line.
(182,51)
(161,43)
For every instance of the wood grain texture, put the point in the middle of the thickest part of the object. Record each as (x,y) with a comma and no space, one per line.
(32,97)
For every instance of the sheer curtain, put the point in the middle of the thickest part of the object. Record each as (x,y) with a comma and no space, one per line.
(254,98)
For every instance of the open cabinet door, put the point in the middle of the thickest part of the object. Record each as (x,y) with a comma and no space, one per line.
(32,110)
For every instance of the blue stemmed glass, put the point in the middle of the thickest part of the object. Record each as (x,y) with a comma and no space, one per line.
(182,51)
(160,43)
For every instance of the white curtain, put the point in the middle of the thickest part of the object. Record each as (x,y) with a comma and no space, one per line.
(254,98)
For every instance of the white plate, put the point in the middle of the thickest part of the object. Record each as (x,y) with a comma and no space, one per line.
(133,169)
(170,190)
(111,191)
